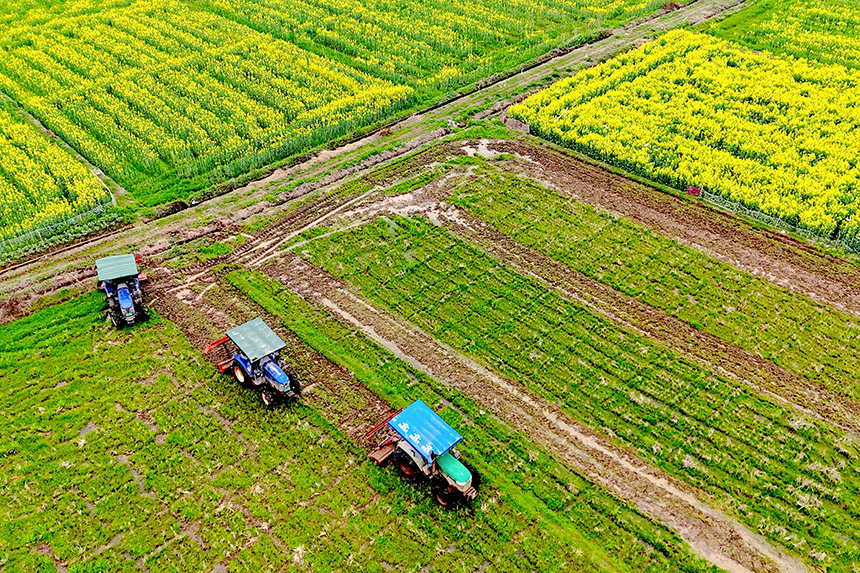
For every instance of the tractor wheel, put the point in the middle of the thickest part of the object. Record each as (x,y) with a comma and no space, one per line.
(268,397)
(115,319)
(476,477)
(240,375)
(407,467)
(144,313)
(444,497)
(295,385)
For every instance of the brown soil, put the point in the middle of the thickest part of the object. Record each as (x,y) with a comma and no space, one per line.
(711,533)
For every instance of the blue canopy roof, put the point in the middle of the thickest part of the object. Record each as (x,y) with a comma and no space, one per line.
(424,430)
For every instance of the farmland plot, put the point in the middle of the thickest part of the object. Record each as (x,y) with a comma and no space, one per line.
(139,456)
(170,99)
(40,182)
(693,423)
(167,100)
(811,340)
(688,109)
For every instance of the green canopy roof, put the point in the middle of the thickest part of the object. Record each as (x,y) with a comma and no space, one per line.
(255,339)
(116,267)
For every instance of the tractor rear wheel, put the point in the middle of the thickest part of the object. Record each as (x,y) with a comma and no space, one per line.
(268,397)
(240,375)
(444,496)
(295,385)
(407,467)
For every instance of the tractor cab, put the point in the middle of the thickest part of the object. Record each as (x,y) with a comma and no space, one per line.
(119,279)
(251,353)
(422,445)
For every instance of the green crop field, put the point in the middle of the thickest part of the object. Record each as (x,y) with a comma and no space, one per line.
(120,450)
(693,423)
(171,98)
(812,340)
(639,310)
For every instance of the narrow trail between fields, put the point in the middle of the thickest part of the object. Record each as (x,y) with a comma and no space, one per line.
(711,533)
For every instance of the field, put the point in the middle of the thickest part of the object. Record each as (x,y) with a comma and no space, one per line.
(692,110)
(678,416)
(648,375)
(40,183)
(170,100)
(147,458)
(825,33)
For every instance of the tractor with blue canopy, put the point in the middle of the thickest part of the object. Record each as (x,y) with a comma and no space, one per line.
(119,278)
(252,356)
(421,444)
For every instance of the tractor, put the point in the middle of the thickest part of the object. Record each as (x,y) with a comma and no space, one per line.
(119,278)
(421,444)
(252,356)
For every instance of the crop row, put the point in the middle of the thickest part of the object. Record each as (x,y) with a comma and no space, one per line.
(812,340)
(825,33)
(694,423)
(583,522)
(692,110)
(111,435)
(170,99)
(39,181)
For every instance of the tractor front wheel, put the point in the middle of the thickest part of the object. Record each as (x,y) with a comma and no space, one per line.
(268,397)
(295,385)
(443,496)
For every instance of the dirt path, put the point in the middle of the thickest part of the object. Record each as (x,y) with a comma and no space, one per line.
(711,533)
(781,260)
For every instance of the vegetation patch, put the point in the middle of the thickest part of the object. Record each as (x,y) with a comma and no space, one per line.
(695,424)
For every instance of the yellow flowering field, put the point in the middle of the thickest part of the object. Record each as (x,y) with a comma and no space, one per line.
(776,133)
(167,100)
(39,181)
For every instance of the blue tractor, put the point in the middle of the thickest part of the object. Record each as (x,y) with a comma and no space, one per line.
(120,280)
(251,353)
(421,444)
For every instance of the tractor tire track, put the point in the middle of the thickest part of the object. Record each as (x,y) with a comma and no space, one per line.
(711,533)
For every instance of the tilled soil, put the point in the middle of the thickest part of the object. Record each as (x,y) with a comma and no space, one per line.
(780,259)
(718,537)
(327,387)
